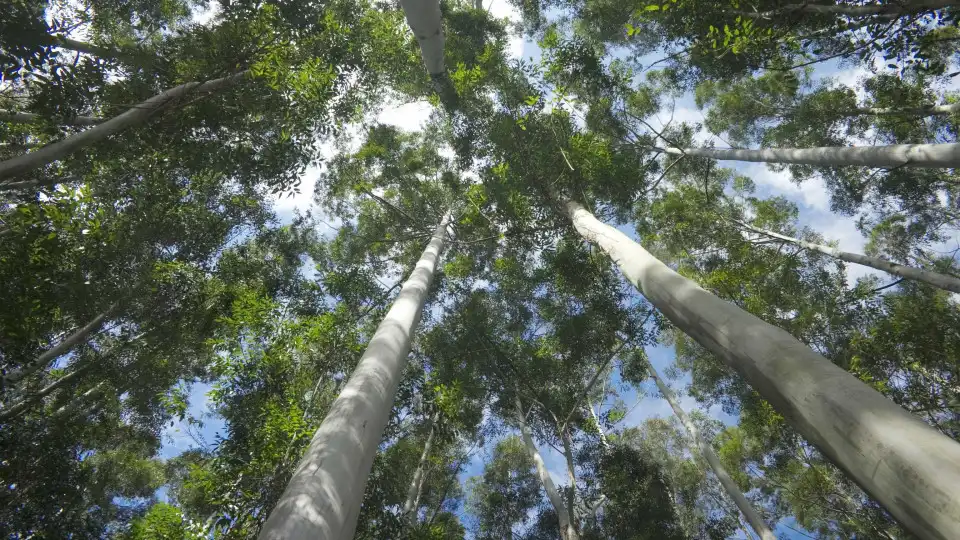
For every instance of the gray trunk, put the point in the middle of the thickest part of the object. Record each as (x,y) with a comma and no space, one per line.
(133,117)
(29,118)
(60,349)
(27,401)
(924,110)
(566,526)
(891,8)
(596,420)
(322,500)
(894,155)
(749,512)
(941,281)
(907,466)
(423,17)
(416,485)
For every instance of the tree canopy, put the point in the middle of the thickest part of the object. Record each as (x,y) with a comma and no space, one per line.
(557,304)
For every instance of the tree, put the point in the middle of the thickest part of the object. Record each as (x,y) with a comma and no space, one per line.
(366,398)
(733,491)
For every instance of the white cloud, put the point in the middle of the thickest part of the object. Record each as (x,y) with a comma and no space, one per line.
(288,203)
(503,9)
(812,193)
(406,116)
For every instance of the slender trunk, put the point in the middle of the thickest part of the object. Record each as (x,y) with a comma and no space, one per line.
(322,500)
(416,485)
(894,155)
(566,527)
(572,476)
(21,406)
(596,420)
(72,405)
(81,47)
(133,117)
(923,110)
(906,465)
(423,17)
(941,281)
(891,8)
(29,118)
(749,512)
(60,349)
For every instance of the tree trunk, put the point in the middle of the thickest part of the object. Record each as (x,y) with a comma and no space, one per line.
(21,406)
(572,476)
(416,485)
(596,420)
(894,155)
(923,110)
(29,118)
(322,500)
(133,117)
(81,47)
(891,8)
(910,468)
(749,512)
(60,349)
(68,408)
(567,531)
(423,17)
(941,281)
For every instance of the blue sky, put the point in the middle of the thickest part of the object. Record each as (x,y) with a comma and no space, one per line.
(811,198)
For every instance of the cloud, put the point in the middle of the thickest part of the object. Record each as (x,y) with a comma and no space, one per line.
(811,193)
(406,116)
(503,9)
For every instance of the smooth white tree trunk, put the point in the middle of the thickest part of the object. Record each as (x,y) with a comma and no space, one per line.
(423,17)
(925,110)
(563,515)
(596,420)
(29,118)
(27,401)
(894,155)
(416,485)
(60,349)
(322,500)
(885,8)
(135,116)
(64,42)
(906,465)
(749,512)
(941,281)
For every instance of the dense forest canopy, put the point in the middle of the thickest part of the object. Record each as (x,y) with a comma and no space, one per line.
(502,269)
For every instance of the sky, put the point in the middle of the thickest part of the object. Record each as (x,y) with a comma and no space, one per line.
(811,197)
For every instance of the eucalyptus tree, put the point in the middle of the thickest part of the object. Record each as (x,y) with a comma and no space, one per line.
(295,59)
(734,335)
(755,520)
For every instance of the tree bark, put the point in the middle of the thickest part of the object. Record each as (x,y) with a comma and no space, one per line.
(749,512)
(923,110)
(21,406)
(416,485)
(890,8)
(423,17)
(29,118)
(572,476)
(910,468)
(596,420)
(566,526)
(894,155)
(60,349)
(81,47)
(941,281)
(322,500)
(133,117)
